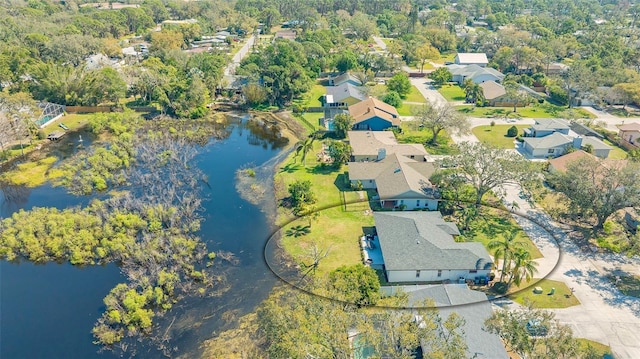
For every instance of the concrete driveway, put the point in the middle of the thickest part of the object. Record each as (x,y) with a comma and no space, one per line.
(428,91)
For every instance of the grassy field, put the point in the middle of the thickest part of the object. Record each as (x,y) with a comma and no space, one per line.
(617,153)
(497,135)
(562,298)
(532,111)
(445,58)
(412,134)
(312,97)
(408,109)
(452,92)
(337,229)
(415,96)
(600,348)
(628,285)
(492,222)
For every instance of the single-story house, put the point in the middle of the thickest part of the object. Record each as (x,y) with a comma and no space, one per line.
(401,182)
(346,77)
(472,306)
(465,58)
(374,145)
(553,145)
(630,133)
(546,126)
(493,92)
(343,95)
(286,34)
(559,164)
(583,130)
(419,247)
(556,68)
(476,73)
(374,115)
(557,144)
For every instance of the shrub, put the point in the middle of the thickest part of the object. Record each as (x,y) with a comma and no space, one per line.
(393,99)
(512,131)
(500,287)
(41,135)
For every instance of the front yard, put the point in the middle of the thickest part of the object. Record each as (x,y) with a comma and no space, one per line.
(452,92)
(562,296)
(497,135)
(545,110)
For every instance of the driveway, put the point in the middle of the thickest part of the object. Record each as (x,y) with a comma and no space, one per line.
(428,91)
(605,315)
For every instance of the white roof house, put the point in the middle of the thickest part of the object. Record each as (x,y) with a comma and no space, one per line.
(474,72)
(466,58)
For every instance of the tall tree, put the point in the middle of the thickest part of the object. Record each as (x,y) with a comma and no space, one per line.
(504,249)
(442,117)
(487,168)
(426,52)
(597,188)
(342,123)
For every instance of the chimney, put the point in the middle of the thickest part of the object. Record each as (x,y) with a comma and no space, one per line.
(577,142)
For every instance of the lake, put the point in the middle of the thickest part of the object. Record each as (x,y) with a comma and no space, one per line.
(48,311)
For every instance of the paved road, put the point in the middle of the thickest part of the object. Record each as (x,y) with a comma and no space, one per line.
(229,71)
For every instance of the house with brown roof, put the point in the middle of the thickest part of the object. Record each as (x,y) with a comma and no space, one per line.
(374,115)
(493,92)
(630,133)
(375,145)
(402,183)
(559,164)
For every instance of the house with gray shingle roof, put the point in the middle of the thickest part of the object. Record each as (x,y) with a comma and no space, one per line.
(419,247)
(346,77)
(476,73)
(373,145)
(546,126)
(472,306)
(552,137)
(553,145)
(401,182)
(343,95)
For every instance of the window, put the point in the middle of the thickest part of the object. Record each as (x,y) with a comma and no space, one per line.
(418,203)
(412,156)
(439,273)
(418,274)
(473,271)
(550,150)
(402,201)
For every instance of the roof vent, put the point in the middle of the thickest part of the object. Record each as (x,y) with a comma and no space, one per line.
(417,241)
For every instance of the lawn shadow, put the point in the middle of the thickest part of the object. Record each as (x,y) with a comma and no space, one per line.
(322,169)
(342,182)
(290,168)
(298,231)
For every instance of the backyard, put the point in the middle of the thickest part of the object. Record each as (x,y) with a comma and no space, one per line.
(497,135)
(411,133)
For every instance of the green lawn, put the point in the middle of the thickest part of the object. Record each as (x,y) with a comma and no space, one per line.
(452,92)
(412,134)
(30,174)
(562,298)
(73,121)
(337,229)
(628,285)
(445,58)
(532,111)
(312,97)
(497,135)
(408,109)
(617,153)
(600,348)
(313,119)
(415,96)
(489,225)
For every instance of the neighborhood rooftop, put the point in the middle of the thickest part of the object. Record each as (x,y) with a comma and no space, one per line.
(411,240)
(368,143)
(492,90)
(553,140)
(633,126)
(560,163)
(370,107)
(550,124)
(472,58)
(344,91)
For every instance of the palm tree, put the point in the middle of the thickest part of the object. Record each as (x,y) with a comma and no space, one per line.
(473,91)
(524,267)
(304,147)
(504,249)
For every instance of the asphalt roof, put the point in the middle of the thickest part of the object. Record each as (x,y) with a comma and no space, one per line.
(553,140)
(560,163)
(453,297)
(473,71)
(595,143)
(633,126)
(423,241)
(344,91)
(550,124)
(371,107)
(367,143)
(397,177)
(492,90)
(472,58)
(345,77)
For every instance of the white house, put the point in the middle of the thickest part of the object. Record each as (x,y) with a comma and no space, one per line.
(368,146)
(466,58)
(419,247)
(459,73)
(546,126)
(402,183)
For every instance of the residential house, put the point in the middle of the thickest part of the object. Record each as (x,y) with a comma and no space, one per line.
(556,68)
(401,182)
(474,72)
(419,247)
(553,137)
(494,93)
(546,126)
(559,164)
(464,58)
(374,115)
(286,34)
(374,145)
(346,77)
(472,306)
(630,133)
(343,95)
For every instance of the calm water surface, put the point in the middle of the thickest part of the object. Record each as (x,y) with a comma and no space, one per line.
(47,311)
